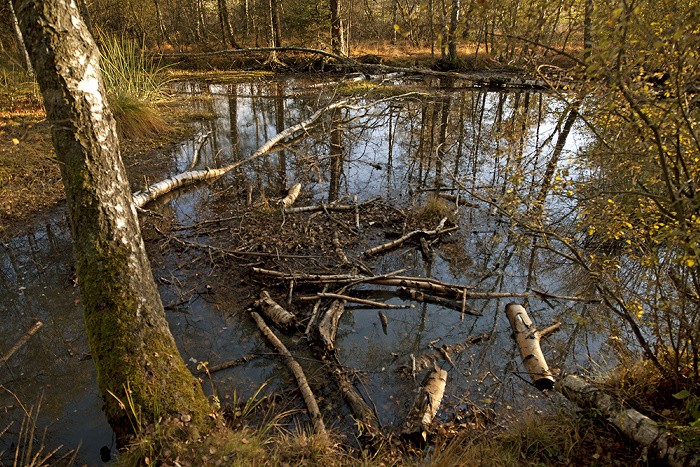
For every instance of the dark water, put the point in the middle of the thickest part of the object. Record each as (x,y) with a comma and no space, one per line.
(484,140)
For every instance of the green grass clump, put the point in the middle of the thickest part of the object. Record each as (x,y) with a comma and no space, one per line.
(135,84)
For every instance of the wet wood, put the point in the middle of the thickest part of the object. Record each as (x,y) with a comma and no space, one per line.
(426,250)
(638,427)
(297,371)
(361,411)
(314,313)
(330,207)
(275,312)
(292,196)
(528,339)
(35,327)
(327,328)
(431,358)
(230,364)
(384,321)
(420,296)
(426,404)
(394,243)
(348,298)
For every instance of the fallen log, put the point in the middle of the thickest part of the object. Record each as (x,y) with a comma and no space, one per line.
(633,424)
(329,207)
(394,243)
(359,408)
(426,404)
(431,358)
(158,189)
(275,312)
(420,296)
(528,339)
(292,196)
(297,371)
(259,49)
(327,328)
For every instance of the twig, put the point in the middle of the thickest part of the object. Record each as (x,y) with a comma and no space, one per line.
(353,299)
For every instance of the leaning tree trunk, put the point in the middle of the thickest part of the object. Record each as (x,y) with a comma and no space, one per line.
(20,39)
(130,342)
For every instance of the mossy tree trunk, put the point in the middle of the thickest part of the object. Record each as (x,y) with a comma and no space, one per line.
(130,342)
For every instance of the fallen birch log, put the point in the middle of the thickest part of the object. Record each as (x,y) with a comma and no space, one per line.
(292,196)
(426,404)
(394,243)
(297,371)
(420,296)
(327,328)
(329,207)
(359,408)
(431,358)
(275,312)
(528,339)
(638,427)
(186,178)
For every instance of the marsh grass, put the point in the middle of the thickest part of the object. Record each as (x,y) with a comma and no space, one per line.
(135,85)
(434,209)
(29,448)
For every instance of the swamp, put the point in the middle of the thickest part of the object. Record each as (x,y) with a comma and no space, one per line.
(399,233)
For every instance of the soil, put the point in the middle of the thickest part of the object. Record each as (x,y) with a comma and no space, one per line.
(30,176)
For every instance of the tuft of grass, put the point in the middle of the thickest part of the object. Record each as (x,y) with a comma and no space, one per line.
(136,118)
(29,449)
(135,84)
(434,210)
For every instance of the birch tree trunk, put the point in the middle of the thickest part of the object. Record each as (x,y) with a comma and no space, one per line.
(20,39)
(337,34)
(130,342)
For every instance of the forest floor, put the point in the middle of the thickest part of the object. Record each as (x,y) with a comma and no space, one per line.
(30,185)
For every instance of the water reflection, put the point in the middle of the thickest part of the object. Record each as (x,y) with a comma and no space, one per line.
(495,143)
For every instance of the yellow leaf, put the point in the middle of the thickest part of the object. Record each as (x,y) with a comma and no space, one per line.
(15,140)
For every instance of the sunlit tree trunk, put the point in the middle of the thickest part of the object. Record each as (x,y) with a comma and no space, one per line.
(20,39)
(131,345)
(587,41)
(161,24)
(452,36)
(226,25)
(337,34)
